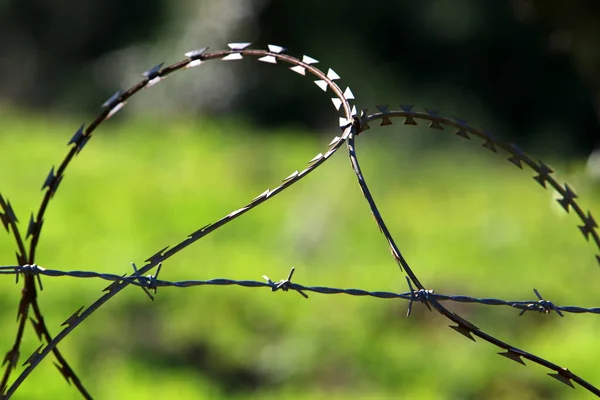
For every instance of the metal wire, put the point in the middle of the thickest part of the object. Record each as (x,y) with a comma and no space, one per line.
(151,282)
(352,125)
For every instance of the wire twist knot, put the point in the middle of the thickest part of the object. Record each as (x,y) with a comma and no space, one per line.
(285,284)
(31,270)
(542,306)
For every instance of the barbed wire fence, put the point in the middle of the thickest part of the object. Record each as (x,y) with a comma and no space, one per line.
(352,124)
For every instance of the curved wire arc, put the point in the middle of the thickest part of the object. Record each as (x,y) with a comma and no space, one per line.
(116,103)
(463,326)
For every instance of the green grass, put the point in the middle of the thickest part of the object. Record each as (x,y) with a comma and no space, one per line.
(467,221)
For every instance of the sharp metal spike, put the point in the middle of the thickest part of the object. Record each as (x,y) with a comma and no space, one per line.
(33,358)
(335,140)
(153,72)
(194,63)
(141,280)
(382,108)
(332,75)
(295,174)
(344,122)
(322,85)
(562,379)
(337,103)
(73,318)
(156,256)
(544,172)
(77,136)
(465,323)
(268,59)
(82,143)
(348,95)
(353,112)
(462,133)
(11,357)
(65,371)
(5,222)
(196,54)
(309,60)
(463,331)
(57,182)
(153,81)
(49,179)
(238,46)
(10,214)
(589,223)
(158,269)
(513,356)
(407,108)
(38,327)
(436,125)
(299,69)
(31,227)
(110,103)
(261,196)
(516,161)
(200,232)
(113,285)
(276,49)
(386,121)
(568,198)
(488,144)
(233,56)
(316,158)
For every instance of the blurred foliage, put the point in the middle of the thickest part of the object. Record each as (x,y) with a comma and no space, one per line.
(467,221)
(528,68)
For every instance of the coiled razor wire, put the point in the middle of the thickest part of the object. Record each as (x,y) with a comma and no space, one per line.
(352,124)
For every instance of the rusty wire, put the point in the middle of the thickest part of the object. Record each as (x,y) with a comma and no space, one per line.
(351,125)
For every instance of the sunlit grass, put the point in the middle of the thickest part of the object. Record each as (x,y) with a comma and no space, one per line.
(467,221)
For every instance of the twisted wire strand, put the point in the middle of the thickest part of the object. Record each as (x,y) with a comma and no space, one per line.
(152,282)
(236,51)
(517,157)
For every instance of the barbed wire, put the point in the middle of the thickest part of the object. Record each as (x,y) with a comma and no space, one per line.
(352,125)
(151,282)
(237,51)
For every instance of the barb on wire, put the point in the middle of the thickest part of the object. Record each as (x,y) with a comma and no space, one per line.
(420,295)
(543,306)
(285,284)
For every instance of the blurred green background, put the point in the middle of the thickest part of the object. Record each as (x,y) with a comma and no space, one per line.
(206,141)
